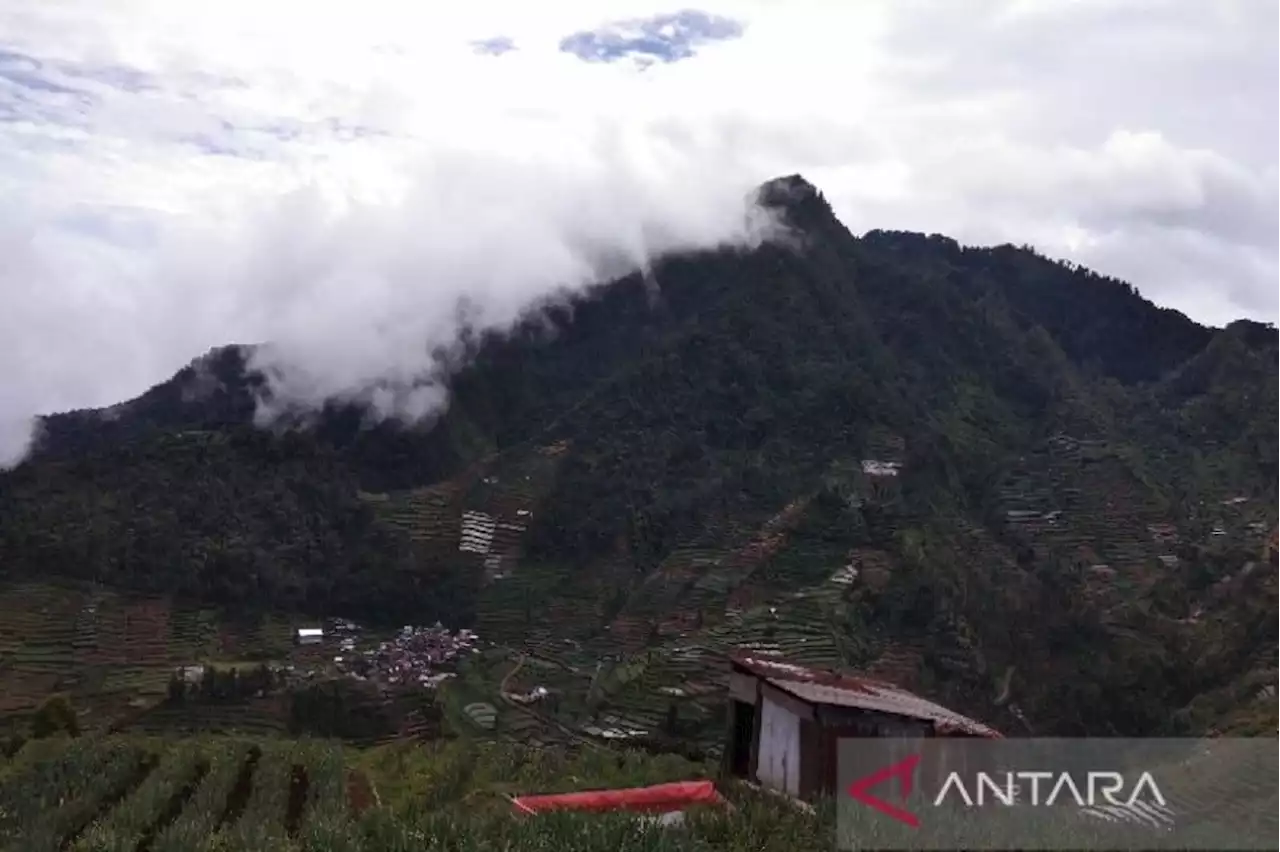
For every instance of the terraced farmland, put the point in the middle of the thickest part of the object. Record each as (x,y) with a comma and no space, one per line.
(618,649)
(230,794)
(113,654)
(151,793)
(785,581)
(1079,497)
(428,515)
(37,643)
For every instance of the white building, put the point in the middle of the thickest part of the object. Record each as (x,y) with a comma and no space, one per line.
(309,635)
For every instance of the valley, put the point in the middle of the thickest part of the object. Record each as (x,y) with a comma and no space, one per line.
(1001,482)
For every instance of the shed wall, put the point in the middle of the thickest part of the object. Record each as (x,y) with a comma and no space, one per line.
(778,765)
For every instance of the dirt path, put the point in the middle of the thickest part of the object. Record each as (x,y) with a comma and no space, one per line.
(506,680)
(360,792)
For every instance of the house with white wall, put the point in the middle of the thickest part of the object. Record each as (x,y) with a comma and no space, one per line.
(786,721)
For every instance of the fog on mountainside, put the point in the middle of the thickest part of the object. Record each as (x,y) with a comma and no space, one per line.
(1024,466)
(363,302)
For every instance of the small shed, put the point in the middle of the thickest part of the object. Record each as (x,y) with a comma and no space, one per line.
(309,636)
(786,721)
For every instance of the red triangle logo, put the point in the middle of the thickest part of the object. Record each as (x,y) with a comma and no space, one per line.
(904,771)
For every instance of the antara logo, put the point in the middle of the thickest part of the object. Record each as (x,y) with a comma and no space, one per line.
(1099,788)
(904,771)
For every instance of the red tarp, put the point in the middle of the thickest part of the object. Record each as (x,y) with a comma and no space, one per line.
(660,798)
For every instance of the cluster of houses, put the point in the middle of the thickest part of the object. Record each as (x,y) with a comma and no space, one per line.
(417,656)
(421,656)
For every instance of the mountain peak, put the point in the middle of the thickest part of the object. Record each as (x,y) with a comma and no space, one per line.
(790,192)
(800,201)
(788,188)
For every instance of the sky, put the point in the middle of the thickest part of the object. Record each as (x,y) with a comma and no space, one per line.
(334,176)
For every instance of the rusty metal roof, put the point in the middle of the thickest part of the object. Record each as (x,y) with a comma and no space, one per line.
(818,686)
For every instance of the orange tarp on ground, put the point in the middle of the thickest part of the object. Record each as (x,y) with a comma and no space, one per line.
(660,798)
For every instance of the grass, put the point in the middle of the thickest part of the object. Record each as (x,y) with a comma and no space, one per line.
(229,794)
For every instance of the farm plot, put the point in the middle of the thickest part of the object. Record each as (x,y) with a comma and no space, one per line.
(146,794)
(37,643)
(208,807)
(261,824)
(137,818)
(156,795)
(52,801)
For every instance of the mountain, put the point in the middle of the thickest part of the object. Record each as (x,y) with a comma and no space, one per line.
(1005,480)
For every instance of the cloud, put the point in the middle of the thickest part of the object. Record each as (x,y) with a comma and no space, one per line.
(15,439)
(664,38)
(179,177)
(495,46)
(353,304)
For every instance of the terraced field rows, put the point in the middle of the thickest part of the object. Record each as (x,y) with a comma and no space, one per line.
(130,793)
(204,811)
(260,823)
(123,647)
(573,611)
(37,643)
(320,816)
(45,803)
(137,819)
(667,602)
(193,634)
(1078,497)
(256,717)
(511,607)
(663,591)
(674,632)
(113,654)
(696,583)
(427,515)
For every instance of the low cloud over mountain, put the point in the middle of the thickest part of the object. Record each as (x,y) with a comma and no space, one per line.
(334,178)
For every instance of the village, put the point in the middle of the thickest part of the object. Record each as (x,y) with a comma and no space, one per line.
(415,657)
(784,723)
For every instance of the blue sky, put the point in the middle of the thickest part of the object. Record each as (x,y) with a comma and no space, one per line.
(669,37)
(335,175)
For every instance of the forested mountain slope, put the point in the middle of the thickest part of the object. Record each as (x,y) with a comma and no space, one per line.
(1008,480)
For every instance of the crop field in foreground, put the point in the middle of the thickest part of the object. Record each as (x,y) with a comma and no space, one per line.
(153,794)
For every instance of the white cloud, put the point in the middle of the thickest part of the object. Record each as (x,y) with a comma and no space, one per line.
(333,176)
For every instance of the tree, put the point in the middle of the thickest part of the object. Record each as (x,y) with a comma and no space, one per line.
(54,716)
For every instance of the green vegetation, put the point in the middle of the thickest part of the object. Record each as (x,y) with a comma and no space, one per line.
(300,536)
(54,716)
(1008,483)
(204,812)
(136,817)
(50,799)
(232,795)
